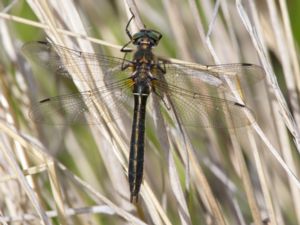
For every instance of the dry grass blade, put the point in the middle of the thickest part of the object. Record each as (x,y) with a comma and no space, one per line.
(283,106)
(21,178)
(191,175)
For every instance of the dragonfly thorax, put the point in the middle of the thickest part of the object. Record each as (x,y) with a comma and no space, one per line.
(142,83)
(143,57)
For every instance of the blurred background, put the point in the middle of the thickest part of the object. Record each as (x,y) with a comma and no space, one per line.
(78,174)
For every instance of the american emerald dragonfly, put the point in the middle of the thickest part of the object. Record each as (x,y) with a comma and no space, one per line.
(199,95)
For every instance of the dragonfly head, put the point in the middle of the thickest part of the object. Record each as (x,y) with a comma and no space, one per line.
(146,38)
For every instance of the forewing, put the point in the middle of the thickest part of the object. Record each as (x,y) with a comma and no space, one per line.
(72,64)
(195,77)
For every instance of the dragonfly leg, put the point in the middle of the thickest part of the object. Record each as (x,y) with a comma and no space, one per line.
(124,65)
(127,26)
(123,49)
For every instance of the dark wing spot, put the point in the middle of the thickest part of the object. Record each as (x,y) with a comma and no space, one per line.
(239,104)
(45,100)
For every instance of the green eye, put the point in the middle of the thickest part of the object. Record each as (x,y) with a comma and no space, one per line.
(138,35)
(153,36)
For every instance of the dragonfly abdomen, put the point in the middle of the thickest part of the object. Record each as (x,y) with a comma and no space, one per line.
(136,157)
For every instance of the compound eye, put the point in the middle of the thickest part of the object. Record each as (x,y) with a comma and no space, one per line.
(137,36)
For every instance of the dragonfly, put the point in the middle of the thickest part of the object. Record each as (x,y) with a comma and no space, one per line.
(199,96)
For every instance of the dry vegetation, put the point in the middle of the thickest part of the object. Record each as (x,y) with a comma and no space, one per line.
(78,174)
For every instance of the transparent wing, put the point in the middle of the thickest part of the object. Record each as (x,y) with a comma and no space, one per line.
(193,89)
(198,109)
(200,95)
(195,77)
(74,64)
(95,106)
